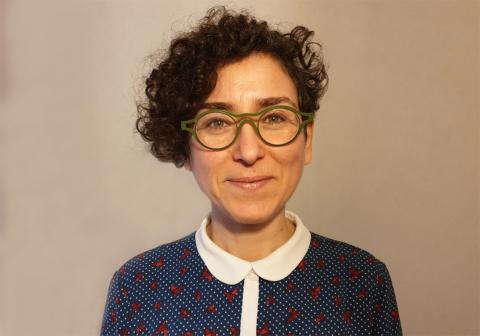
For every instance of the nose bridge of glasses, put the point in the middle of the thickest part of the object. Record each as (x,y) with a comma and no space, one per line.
(251,118)
(247,120)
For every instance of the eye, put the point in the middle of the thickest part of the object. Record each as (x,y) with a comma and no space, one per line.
(277,116)
(216,123)
(273,118)
(279,119)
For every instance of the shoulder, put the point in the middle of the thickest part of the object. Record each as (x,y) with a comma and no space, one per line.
(356,280)
(161,257)
(339,256)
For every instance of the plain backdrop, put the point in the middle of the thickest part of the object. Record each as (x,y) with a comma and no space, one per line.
(395,168)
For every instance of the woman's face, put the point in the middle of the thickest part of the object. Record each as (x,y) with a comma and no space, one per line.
(250,182)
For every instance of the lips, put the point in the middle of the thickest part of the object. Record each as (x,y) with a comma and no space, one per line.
(249,179)
(250,183)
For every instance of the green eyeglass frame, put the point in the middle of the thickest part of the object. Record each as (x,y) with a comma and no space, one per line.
(246,118)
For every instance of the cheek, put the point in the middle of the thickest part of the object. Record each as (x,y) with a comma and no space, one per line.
(292,162)
(293,153)
(205,168)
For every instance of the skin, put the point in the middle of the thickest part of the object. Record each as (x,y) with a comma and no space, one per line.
(251,224)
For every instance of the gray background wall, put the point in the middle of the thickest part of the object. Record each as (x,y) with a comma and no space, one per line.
(395,167)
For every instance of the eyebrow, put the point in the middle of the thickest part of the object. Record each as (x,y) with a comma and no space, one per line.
(260,102)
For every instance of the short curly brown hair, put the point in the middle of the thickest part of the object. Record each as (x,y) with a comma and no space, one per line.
(186,75)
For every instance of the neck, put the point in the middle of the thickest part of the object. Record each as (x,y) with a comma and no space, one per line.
(250,241)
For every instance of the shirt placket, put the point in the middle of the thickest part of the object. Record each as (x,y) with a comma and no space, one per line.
(248,323)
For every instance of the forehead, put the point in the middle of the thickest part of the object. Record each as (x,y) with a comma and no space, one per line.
(255,78)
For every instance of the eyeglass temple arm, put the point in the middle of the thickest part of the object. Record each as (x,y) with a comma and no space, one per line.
(184,127)
(309,117)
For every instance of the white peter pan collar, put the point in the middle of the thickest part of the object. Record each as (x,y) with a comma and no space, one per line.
(276,266)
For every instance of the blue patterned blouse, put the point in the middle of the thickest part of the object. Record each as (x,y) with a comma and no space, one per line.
(311,285)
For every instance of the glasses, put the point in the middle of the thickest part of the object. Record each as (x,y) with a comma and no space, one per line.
(217,129)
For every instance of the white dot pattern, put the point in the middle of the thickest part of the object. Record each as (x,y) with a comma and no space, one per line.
(337,289)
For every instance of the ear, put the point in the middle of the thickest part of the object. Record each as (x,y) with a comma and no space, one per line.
(308,143)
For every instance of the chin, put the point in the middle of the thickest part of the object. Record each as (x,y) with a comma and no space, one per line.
(252,214)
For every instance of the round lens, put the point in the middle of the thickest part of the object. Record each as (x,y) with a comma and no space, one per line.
(215,130)
(279,126)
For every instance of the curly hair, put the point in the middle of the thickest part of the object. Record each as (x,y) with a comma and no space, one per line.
(186,75)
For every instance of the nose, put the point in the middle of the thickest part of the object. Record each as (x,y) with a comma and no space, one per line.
(248,147)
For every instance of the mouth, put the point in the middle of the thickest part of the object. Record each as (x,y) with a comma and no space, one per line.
(250,183)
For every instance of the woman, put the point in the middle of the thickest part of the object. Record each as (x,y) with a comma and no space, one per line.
(233,102)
